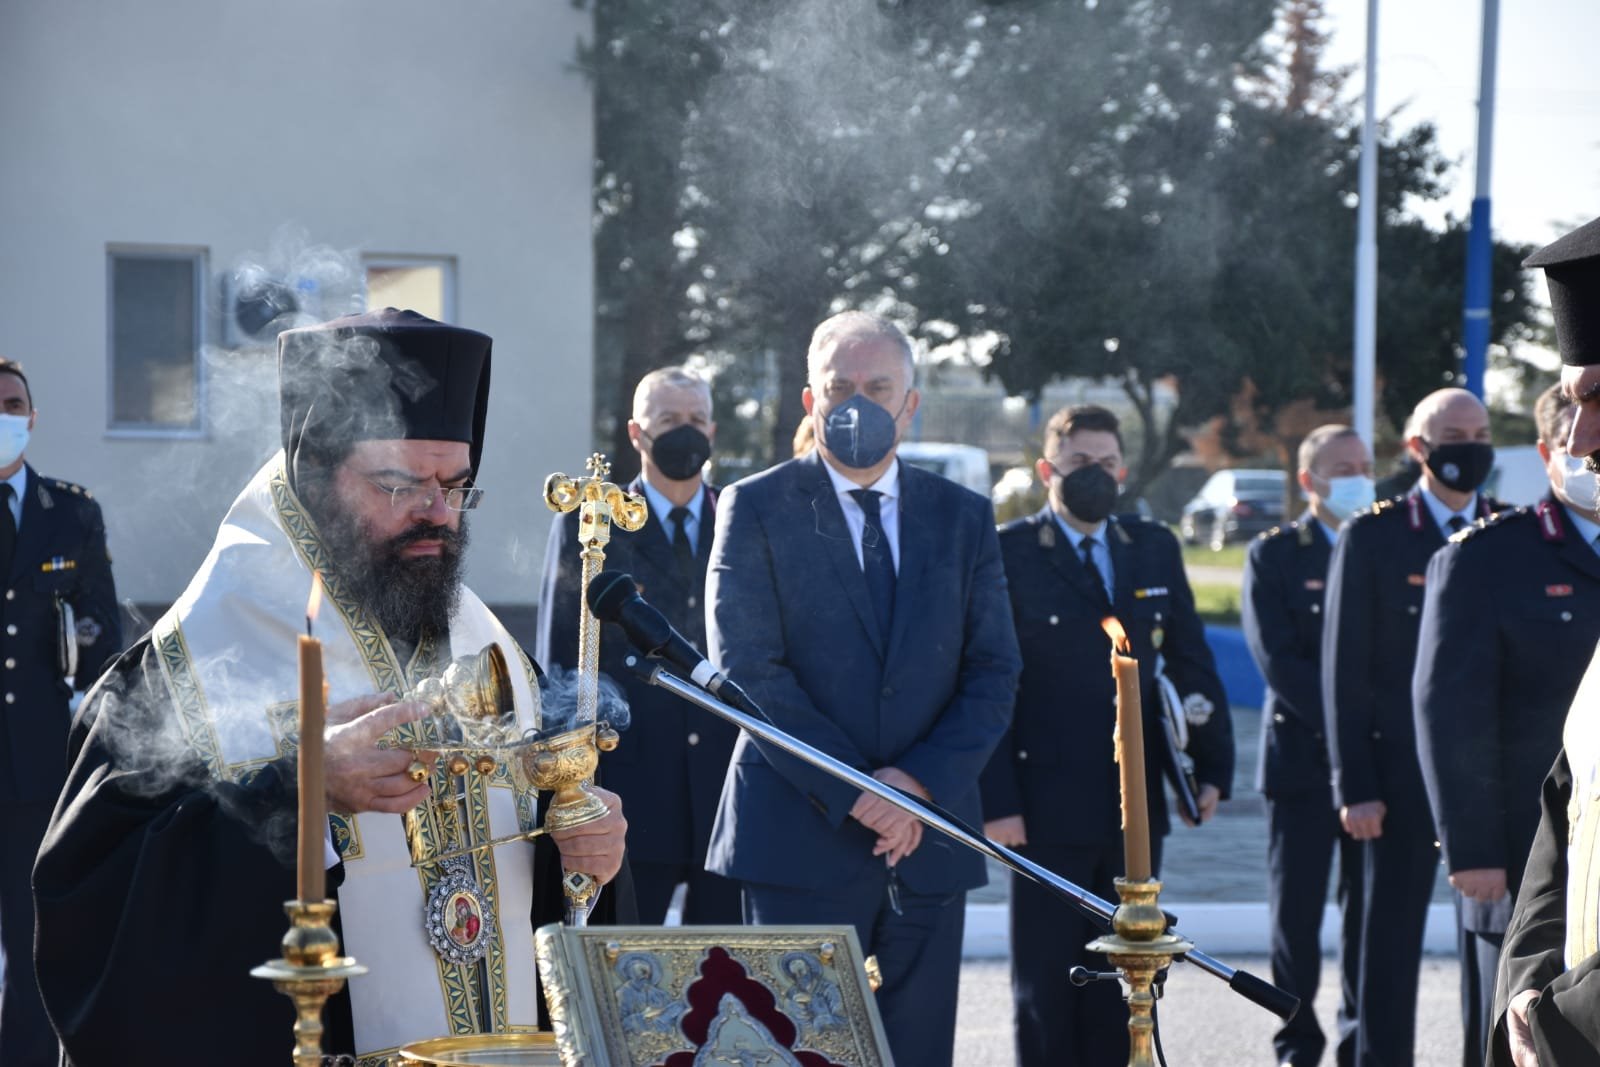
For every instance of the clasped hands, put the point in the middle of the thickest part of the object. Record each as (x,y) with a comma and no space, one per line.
(899,832)
(360,777)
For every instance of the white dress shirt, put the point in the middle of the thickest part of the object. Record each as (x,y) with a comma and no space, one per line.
(888,508)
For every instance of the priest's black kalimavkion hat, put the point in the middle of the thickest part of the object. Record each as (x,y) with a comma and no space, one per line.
(1572,271)
(380,375)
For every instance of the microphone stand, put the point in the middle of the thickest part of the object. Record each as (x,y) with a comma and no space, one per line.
(1254,989)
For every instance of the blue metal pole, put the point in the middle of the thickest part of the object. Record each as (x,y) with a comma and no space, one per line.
(1480,242)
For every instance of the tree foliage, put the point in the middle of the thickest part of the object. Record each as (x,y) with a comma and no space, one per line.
(1137,191)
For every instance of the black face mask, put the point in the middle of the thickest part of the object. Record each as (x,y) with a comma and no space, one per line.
(1462,466)
(681,452)
(1088,492)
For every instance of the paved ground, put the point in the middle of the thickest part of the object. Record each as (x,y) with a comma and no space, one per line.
(1203,1023)
(1224,861)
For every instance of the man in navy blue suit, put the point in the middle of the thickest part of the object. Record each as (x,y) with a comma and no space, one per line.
(861,602)
(669,767)
(1052,787)
(1376,583)
(1285,574)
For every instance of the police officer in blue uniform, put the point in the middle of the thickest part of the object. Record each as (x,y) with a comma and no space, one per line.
(58,627)
(1376,581)
(673,756)
(1051,788)
(1510,617)
(1285,574)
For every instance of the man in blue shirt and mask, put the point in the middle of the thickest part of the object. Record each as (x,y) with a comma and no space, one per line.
(862,604)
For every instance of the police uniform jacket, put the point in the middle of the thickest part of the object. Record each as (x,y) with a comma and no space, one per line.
(60,558)
(1511,617)
(1285,574)
(1054,766)
(1376,581)
(670,764)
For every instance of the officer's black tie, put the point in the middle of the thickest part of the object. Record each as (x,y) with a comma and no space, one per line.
(876,560)
(681,549)
(1095,579)
(1457,524)
(8,528)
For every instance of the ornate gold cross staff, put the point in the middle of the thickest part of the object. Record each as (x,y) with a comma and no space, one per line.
(600,503)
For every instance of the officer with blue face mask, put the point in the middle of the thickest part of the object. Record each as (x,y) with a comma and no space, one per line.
(1286,571)
(58,626)
(1512,610)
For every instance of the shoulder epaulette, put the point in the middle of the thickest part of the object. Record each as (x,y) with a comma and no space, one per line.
(67,487)
(1267,535)
(1498,519)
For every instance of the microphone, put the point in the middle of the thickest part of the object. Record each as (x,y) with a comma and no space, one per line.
(613,597)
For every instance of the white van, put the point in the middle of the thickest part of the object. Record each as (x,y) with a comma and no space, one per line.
(966,465)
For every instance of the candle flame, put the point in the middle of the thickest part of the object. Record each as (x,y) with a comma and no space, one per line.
(1119,636)
(314,601)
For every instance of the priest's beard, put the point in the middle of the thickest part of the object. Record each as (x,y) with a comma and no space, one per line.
(408,597)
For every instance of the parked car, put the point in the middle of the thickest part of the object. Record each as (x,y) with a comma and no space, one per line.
(1233,505)
(965,465)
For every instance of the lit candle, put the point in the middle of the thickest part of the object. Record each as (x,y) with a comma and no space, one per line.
(313,716)
(1130,755)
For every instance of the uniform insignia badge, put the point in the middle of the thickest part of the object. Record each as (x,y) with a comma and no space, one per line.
(460,924)
(87,631)
(1416,579)
(1558,590)
(1414,515)
(1154,590)
(1549,525)
(58,563)
(1047,535)
(1315,584)
(1197,709)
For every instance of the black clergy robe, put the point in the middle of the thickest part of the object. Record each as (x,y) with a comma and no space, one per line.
(158,888)
(1565,1020)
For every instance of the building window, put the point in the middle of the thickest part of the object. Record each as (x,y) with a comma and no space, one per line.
(155,305)
(424,284)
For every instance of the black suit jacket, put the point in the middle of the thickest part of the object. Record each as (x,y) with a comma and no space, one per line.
(790,620)
(60,556)
(1055,765)
(1376,582)
(1285,575)
(670,764)
(1510,619)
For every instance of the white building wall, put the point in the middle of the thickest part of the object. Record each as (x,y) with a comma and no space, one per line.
(395,126)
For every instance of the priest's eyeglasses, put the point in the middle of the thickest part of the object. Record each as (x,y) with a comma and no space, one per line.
(421,497)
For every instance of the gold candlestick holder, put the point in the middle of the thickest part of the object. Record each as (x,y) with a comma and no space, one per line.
(310,971)
(1140,947)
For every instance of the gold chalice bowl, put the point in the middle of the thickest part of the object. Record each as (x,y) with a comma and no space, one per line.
(562,764)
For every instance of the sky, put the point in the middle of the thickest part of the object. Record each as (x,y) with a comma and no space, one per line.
(1545,177)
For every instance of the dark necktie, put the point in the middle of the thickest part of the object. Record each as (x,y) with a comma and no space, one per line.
(681,549)
(876,562)
(8,529)
(1095,578)
(1457,524)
